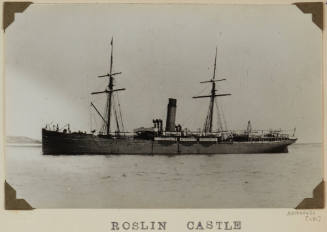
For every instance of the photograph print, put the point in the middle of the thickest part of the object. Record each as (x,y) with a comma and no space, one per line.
(163,105)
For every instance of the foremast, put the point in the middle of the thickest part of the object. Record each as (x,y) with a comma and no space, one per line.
(209,118)
(109,91)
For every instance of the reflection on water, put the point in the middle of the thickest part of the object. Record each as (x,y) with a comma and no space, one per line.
(191,181)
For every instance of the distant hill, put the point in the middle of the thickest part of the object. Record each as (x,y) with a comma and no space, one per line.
(21,139)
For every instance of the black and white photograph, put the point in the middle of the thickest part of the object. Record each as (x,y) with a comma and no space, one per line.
(163,105)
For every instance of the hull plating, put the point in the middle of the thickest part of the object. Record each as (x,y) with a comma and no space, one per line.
(58,143)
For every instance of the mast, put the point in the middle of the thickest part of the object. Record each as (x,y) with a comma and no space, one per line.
(212,96)
(110,86)
(213,92)
(109,91)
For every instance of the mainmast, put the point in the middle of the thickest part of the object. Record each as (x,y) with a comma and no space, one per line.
(110,86)
(109,91)
(212,96)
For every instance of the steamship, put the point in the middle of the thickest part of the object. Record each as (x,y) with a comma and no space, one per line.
(171,140)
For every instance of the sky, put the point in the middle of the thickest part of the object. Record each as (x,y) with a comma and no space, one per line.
(271,56)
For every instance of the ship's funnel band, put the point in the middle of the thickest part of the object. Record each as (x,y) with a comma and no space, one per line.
(171,115)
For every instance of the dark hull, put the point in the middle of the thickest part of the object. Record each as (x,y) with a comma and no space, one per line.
(57,143)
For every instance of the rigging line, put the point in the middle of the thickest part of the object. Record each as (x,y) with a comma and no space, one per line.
(119,121)
(207,121)
(223,117)
(104,126)
(114,109)
(94,122)
(220,123)
(120,113)
(206,125)
(218,117)
(115,112)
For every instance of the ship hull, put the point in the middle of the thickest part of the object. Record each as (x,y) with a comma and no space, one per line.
(57,143)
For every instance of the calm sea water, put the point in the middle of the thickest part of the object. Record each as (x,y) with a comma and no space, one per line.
(193,181)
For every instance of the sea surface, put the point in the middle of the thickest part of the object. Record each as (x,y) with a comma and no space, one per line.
(188,181)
